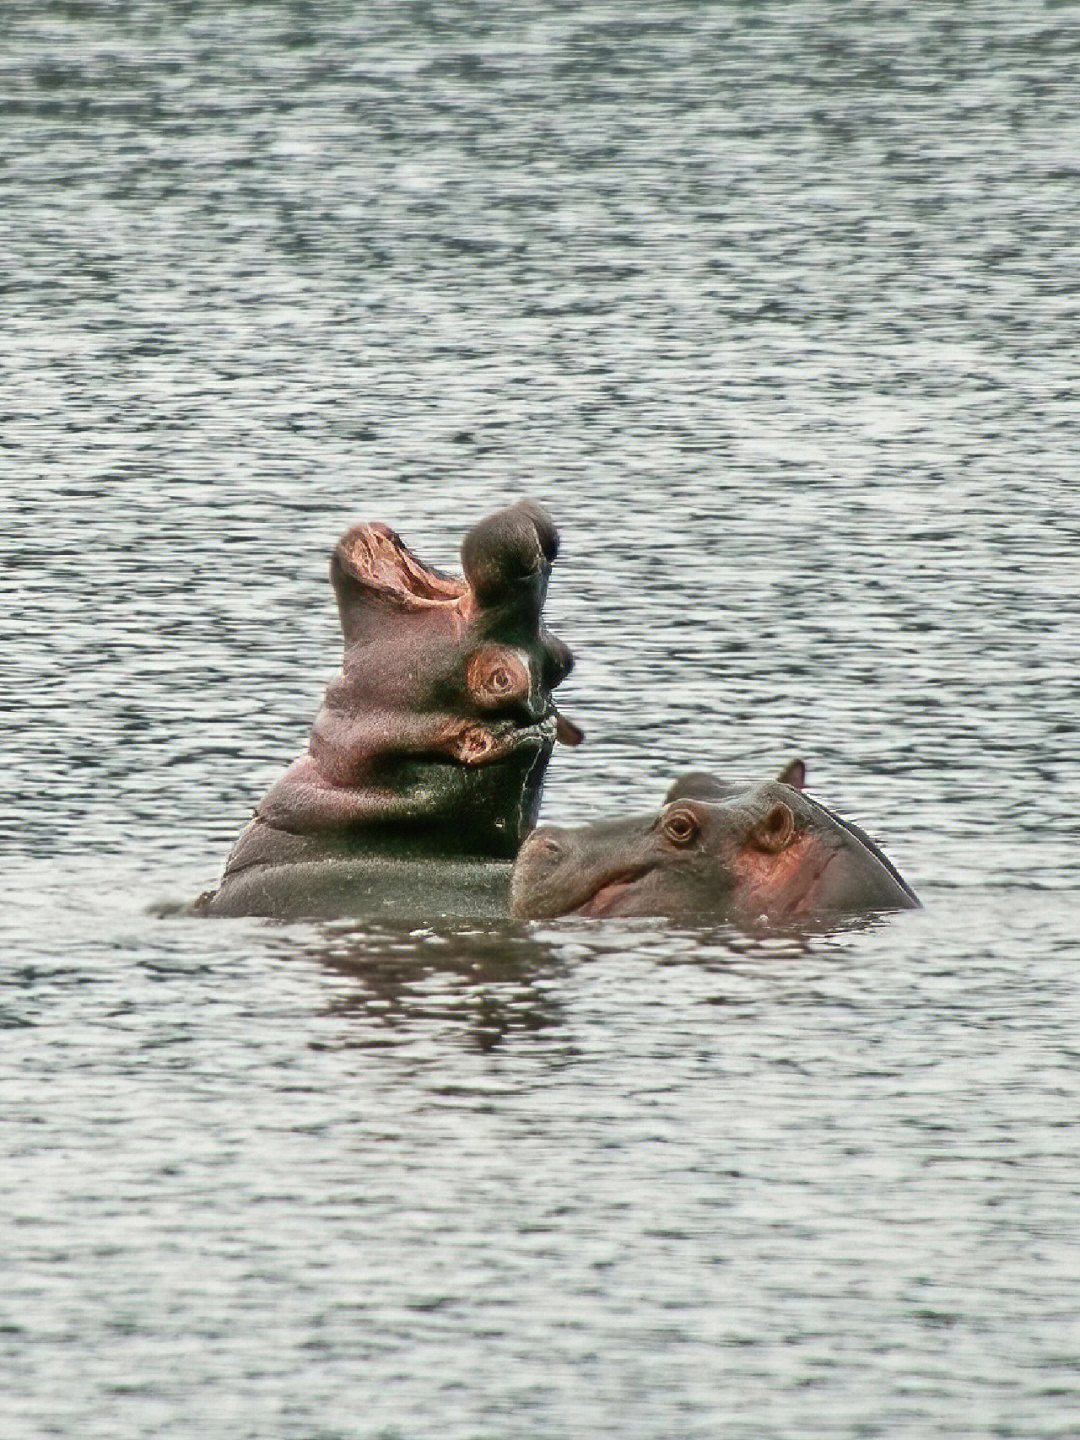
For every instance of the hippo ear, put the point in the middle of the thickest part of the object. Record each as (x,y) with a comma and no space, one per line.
(507,559)
(775,831)
(374,574)
(699,785)
(794,774)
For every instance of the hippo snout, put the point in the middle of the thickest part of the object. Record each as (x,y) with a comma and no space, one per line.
(537,861)
(509,550)
(540,854)
(540,846)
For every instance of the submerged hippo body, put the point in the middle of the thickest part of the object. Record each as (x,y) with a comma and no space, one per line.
(432,742)
(767,853)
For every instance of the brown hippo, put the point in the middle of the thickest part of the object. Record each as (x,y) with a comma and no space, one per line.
(767,853)
(432,742)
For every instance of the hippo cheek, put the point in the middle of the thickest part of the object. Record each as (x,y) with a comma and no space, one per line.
(678,892)
(785,885)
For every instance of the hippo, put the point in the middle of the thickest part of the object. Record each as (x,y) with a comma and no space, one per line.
(767,853)
(428,755)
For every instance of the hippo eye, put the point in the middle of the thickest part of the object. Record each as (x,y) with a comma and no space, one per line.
(680,827)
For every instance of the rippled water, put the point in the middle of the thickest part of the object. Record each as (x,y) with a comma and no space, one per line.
(775,307)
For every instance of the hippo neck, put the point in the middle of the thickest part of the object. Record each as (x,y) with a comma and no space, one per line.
(403,890)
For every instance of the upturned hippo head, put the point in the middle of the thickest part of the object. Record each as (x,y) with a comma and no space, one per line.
(769,852)
(435,736)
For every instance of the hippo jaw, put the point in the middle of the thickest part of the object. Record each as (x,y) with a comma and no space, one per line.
(611,893)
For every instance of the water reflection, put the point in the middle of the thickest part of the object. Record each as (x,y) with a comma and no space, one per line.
(511,980)
(487,983)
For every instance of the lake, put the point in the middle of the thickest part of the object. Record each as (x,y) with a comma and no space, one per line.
(775,308)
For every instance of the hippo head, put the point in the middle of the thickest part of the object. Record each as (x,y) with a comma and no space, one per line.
(441,722)
(770,852)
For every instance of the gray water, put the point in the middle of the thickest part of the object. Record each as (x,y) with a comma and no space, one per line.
(775,307)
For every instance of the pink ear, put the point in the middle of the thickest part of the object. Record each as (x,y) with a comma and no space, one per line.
(566,732)
(775,831)
(794,774)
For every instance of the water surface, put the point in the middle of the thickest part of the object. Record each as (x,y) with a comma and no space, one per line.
(774,307)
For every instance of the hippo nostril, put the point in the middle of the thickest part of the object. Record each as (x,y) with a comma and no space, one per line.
(474,744)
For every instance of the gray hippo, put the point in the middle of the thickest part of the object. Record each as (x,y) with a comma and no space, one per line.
(766,853)
(426,760)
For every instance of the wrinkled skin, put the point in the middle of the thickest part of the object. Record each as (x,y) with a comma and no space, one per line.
(766,854)
(433,740)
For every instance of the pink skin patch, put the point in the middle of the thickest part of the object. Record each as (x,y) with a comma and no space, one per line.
(603,901)
(376,557)
(782,885)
